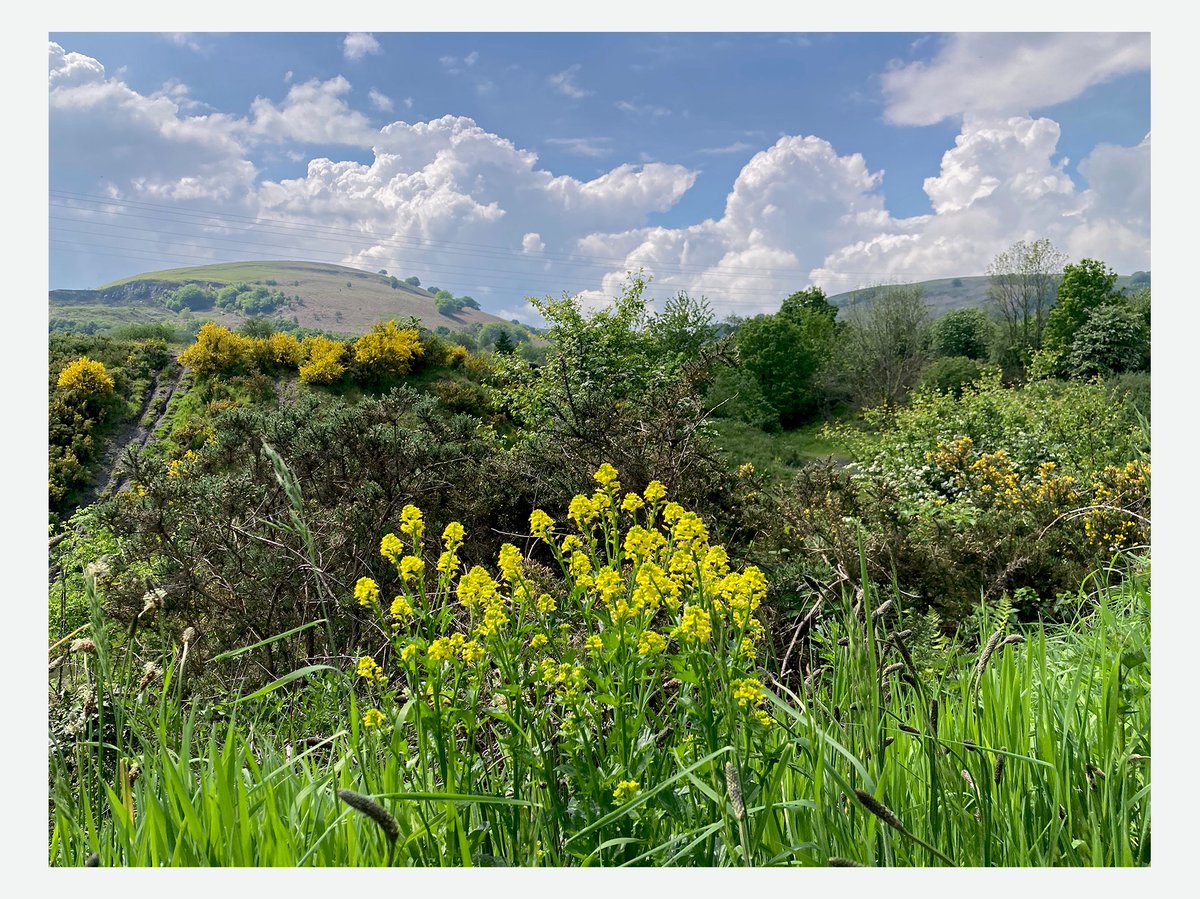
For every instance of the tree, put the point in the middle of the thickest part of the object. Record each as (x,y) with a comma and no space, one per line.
(787,351)
(950,374)
(414,281)
(1021,286)
(962,332)
(886,345)
(504,344)
(1113,340)
(1085,287)
(684,327)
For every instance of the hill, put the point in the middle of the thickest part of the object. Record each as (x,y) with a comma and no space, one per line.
(945,294)
(318,295)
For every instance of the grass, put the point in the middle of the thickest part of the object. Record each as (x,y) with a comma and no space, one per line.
(1037,755)
(776,455)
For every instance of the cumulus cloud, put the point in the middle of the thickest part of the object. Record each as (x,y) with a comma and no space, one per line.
(312,112)
(564,83)
(727,150)
(358,44)
(532,243)
(998,74)
(1001,183)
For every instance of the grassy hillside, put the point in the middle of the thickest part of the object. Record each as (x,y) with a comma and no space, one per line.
(330,297)
(945,294)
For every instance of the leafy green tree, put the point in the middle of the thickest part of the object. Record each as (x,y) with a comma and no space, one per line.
(1113,340)
(962,332)
(190,296)
(414,281)
(788,350)
(950,374)
(257,327)
(684,327)
(1085,287)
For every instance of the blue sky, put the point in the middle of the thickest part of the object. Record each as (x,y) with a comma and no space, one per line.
(739,166)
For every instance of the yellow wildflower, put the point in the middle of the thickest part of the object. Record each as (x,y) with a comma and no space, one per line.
(401,608)
(452,536)
(510,561)
(411,522)
(650,643)
(411,568)
(391,548)
(654,491)
(594,644)
(606,476)
(368,669)
(373,718)
(632,503)
(546,604)
(409,653)
(366,591)
(625,791)
(696,624)
(541,525)
(538,641)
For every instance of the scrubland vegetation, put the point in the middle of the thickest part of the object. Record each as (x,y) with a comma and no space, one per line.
(827,586)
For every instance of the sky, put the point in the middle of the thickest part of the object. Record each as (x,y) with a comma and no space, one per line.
(736,166)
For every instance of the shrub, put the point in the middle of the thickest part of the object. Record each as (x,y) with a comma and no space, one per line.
(950,374)
(85,377)
(387,351)
(322,360)
(217,349)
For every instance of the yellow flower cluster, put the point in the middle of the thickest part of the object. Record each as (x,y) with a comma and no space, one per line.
(443,649)
(412,524)
(401,610)
(373,718)
(510,562)
(368,669)
(541,525)
(366,591)
(391,548)
(86,377)
(749,695)
(696,625)
(177,468)
(625,791)
(411,568)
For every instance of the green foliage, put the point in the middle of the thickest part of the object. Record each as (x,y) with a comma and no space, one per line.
(1021,286)
(788,351)
(735,394)
(950,374)
(249,299)
(1084,288)
(685,326)
(413,281)
(962,332)
(1113,339)
(192,297)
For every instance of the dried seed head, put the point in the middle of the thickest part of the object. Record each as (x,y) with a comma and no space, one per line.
(372,810)
(892,669)
(1013,640)
(733,786)
(909,729)
(882,609)
(149,673)
(83,644)
(839,862)
(933,716)
(151,601)
(135,771)
(878,809)
(966,775)
(92,861)
(188,635)
(998,772)
(983,658)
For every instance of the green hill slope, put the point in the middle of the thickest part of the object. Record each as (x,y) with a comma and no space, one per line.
(945,294)
(321,295)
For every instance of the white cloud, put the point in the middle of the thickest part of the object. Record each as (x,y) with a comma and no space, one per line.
(582,146)
(471,58)
(1001,183)
(380,100)
(358,44)
(998,74)
(564,83)
(728,150)
(408,102)
(184,39)
(532,243)
(312,112)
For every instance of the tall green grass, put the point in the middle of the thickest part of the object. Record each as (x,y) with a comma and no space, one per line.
(1038,756)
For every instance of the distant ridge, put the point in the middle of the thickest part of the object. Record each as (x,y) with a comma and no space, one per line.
(331,297)
(945,294)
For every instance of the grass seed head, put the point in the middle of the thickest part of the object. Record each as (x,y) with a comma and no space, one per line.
(836,861)
(733,786)
(878,809)
(372,810)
